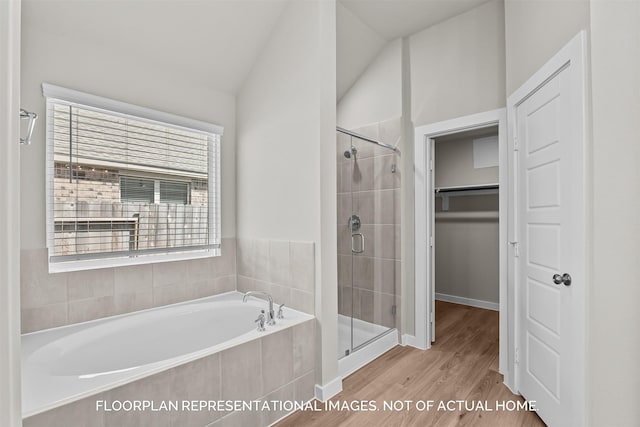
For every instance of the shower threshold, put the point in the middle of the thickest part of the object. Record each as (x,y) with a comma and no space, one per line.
(375,340)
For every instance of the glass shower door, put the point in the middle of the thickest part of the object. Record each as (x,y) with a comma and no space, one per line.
(368,227)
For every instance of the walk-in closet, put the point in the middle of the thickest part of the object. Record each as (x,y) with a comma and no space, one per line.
(466,227)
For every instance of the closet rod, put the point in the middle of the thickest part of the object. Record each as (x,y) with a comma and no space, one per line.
(467,188)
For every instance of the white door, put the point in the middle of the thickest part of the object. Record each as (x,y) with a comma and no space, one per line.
(549,142)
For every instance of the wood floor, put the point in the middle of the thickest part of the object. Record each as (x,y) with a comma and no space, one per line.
(461,365)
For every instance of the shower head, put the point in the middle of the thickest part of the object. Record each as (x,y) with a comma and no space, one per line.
(349,152)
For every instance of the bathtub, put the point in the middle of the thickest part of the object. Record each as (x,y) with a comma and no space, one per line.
(66,364)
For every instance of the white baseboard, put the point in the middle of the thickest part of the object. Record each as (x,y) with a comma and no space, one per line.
(411,341)
(469,301)
(327,391)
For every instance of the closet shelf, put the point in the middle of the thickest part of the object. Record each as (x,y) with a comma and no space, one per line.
(464,190)
(488,215)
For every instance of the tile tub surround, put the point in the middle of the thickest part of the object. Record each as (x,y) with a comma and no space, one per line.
(279,366)
(369,284)
(284,269)
(51,300)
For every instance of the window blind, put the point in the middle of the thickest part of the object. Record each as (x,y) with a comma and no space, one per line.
(126,186)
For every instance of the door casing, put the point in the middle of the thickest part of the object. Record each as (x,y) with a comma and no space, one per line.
(424,186)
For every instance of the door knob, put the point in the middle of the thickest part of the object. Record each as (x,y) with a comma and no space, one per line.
(565,279)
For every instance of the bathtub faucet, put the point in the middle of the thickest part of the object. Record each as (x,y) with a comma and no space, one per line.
(271,316)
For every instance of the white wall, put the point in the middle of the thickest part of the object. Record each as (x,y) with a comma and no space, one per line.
(278,141)
(457,66)
(377,94)
(286,175)
(535,31)
(10,394)
(357,45)
(74,61)
(613,341)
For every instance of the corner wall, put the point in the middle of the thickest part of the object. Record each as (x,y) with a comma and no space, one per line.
(458,66)
(535,31)
(612,340)
(286,125)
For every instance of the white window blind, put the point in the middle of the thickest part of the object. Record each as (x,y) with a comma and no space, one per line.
(124,186)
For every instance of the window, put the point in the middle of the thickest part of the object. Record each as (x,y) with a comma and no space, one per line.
(128,185)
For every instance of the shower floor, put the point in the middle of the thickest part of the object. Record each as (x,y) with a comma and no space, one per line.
(362,332)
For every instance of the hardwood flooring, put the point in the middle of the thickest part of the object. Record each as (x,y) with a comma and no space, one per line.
(461,365)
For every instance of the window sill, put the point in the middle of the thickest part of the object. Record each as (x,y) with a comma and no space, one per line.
(94,264)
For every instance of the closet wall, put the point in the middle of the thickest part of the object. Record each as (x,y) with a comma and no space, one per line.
(466,234)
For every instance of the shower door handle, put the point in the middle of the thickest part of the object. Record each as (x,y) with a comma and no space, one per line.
(353,243)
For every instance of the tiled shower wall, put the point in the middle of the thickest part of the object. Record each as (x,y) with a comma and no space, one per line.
(369,283)
(284,269)
(50,300)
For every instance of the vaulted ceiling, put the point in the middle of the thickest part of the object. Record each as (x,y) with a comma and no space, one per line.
(217,41)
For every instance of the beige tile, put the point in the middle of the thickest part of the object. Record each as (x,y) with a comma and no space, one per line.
(304,387)
(195,381)
(383,305)
(37,286)
(345,270)
(133,279)
(283,394)
(77,414)
(365,206)
(346,176)
(386,242)
(172,294)
(368,233)
(90,284)
(169,273)
(345,208)
(366,305)
(279,263)
(280,294)
(241,419)
(246,284)
(304,345)
(43,317)
(302,266)
(90,309)
(384,275)
(246,257)
(384,179)
(385,207)
(363,175)
(241,372)
(225,264)
(277,360)
(303,301)
(203,288)
(397,206)
(363,269)
(199,270)
(261,267)
(154,388)
(344,240)
(225,284)
(345,300)
(129,302)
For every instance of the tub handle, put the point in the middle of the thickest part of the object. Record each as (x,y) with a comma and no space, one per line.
(280,312)
(261,321)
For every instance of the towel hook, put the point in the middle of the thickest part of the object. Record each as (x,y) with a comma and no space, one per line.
(27,115)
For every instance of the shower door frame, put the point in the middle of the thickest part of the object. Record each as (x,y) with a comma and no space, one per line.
(355,346)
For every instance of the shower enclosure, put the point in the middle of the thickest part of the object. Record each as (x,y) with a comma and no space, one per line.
(368,240)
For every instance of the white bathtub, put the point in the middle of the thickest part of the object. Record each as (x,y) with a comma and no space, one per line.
(65,364)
